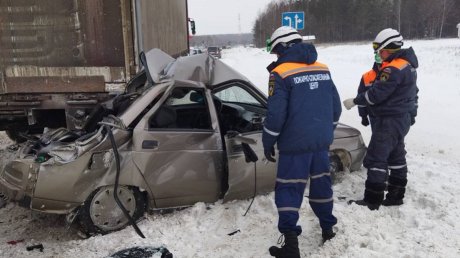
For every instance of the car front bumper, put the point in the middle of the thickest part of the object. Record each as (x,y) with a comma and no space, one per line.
(17,184)
(17,181)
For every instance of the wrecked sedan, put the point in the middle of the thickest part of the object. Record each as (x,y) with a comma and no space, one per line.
(185,131)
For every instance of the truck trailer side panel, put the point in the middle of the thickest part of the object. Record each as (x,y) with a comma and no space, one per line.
(64,57)
(157,34)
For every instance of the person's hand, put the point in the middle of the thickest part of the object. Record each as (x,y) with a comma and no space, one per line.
(412,120)
(270,154)
(365,121)
(349,103)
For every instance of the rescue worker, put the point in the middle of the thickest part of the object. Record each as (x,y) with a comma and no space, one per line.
(303,111)
(392,101)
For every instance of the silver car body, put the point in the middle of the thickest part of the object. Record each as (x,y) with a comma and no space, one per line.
(174,165)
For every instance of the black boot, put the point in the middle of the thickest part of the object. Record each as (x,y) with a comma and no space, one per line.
(327,235)
(392,202)
(373,196)
(289,249)
(396,191)
(371,206)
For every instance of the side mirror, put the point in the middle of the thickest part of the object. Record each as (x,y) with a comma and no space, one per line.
(249,153)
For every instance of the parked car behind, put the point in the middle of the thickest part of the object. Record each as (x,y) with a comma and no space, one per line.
(182,133)
(195,51)
(215,52)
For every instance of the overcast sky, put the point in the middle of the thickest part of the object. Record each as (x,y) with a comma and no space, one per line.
(221,16)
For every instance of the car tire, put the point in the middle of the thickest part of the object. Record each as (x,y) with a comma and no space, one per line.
(335,164)
(335,167)
(100,212)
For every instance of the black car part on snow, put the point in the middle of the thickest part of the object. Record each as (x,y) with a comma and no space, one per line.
(142,252)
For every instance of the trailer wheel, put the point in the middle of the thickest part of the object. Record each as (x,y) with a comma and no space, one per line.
(15,134)
(20,131)
(101,214)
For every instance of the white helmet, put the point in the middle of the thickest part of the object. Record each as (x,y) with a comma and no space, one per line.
(283,34)
(386,37)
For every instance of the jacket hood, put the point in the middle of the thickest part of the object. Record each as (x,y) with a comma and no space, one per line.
(299,53)
(406,54)
(376,67)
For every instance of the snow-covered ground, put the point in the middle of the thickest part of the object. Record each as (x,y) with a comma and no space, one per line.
(427,225)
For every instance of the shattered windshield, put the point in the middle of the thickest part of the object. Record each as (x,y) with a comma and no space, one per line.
(237,95)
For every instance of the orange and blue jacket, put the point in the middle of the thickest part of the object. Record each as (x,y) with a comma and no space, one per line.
(366,81)
(303,103)
(394,92)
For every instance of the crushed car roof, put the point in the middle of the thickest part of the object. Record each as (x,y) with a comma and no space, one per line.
(201,68)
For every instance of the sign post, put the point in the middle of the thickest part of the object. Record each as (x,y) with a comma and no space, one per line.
(295,20)
(458,27)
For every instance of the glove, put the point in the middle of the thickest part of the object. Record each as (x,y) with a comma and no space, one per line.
(412,120)
(269,154)
(349,103)
(365,121)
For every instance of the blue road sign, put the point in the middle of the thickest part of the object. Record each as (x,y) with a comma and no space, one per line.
(293,19)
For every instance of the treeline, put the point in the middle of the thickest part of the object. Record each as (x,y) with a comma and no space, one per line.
(356,20)
(222,40)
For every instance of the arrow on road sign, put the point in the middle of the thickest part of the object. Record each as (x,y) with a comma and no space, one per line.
(297,21)
(287,18)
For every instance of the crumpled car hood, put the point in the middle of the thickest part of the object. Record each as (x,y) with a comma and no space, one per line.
(68,152)
(61,146)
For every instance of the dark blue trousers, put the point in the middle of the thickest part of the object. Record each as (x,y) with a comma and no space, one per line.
(386,151)
(294,170)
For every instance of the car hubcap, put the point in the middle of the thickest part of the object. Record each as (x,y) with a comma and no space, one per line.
(104,211)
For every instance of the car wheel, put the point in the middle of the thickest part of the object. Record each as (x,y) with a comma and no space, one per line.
(335,167)
(340,161)
(335,164)
(100,212)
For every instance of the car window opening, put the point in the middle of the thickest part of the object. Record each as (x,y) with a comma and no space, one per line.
(186,108)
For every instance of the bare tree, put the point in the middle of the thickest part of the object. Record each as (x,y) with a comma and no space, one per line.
(447,5)
(398,13)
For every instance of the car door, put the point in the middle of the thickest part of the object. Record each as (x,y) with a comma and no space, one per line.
(241,116)
(178,148)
